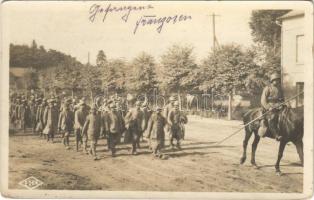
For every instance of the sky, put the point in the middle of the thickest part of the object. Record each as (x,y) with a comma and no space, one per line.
(67,27)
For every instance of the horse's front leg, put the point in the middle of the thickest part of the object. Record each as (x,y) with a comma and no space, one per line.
(282,146)
(245,142)
(299,147)
(254,147)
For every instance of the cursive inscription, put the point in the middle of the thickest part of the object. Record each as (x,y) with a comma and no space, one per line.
(148,20)
(96,10)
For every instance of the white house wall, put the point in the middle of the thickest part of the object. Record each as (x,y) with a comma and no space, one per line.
(292,71)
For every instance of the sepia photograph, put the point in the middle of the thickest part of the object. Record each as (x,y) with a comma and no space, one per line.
(157,99)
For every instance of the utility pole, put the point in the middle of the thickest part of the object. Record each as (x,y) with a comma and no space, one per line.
(88,59)
(214,48)
(215,41)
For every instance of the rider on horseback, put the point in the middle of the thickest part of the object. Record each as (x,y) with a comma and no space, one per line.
(272,96)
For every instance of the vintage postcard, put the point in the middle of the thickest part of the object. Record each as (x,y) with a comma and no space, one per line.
(157,99)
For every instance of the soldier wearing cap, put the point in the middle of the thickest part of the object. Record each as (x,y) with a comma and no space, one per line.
(155,131)
(175,118)
(147,114)
(167,110)
(91,131)
(169,106)
(33,105)
(65,124)
(39,115)
(13,111)
(50,120)
(79,120)
(271,97)
(22,114)
(134,123)
(113,124)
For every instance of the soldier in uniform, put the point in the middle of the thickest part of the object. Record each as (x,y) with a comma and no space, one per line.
(166,112)
(175,118)
(79,120)
(91,130)
(155,131)
(134,124)
(114,126)
(33,109)
(147,113)
(50,120)
(65,124)
(13,114)
(40,116)
(272,96)
(22,115)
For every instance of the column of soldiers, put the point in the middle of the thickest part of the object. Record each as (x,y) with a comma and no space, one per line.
(112,120)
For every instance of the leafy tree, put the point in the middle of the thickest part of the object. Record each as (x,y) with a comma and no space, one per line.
(31,79)
(228,67)
(267,36)
(264,27)
(32,56)
(176,67)
(142,77)
(47,79)
(101,59)
(114,77)
(92,79)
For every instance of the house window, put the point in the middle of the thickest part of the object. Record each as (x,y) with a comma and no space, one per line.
(300,98)
(300,49)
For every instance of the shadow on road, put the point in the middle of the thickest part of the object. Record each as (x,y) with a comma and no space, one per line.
(295,164)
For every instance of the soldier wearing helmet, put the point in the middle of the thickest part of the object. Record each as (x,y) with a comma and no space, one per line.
(272,96)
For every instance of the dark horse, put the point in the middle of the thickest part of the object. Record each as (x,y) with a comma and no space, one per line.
(289,126)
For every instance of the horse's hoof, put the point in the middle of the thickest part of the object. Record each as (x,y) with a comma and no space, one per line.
(255,166)
(242,160)
(278,173)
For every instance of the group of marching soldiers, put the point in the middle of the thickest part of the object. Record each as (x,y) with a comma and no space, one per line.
(108,118)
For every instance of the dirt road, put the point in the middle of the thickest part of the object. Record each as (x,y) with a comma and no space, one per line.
(200,166)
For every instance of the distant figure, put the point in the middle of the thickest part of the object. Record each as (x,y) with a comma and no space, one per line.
(50,120)
(114,126)
(155,132)
(91,131)
(40,116)
(166,112)
(65,124)
(175,118)
(79,121)
(23,114)
(133,122)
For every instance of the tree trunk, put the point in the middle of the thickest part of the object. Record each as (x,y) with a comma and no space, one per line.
(91,95)
(179,99)
(230,106)
(72,93)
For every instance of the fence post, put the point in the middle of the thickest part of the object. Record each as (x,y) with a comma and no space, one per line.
(230,106)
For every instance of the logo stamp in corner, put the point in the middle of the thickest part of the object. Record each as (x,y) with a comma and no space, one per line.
(31,183)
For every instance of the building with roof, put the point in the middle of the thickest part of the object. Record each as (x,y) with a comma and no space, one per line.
(17,79)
